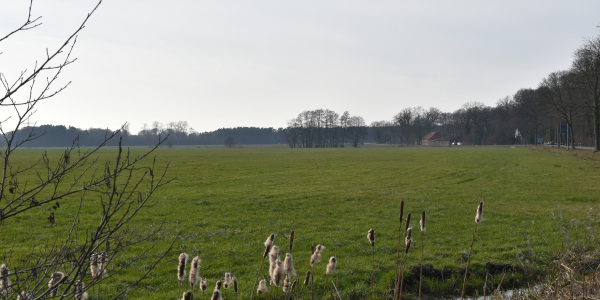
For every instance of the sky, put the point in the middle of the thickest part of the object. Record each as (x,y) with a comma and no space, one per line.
(221,64)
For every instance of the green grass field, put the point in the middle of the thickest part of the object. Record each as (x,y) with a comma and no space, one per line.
(226,202)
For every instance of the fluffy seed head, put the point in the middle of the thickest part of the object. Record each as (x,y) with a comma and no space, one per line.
(286,284)
(102,261)
(319,248)
(80,293)
(288,265)
(181,266)
(331,265)
(316,257)
(268,244)
(188,295)
(3,271)
(23,296)
(216,295)
(479,216)
(274,253)
(4,281)
(371,236)
(273,257)
(218,285)
(54,282)
(227,280)
(56,277)
(422,222)
(262,287)
(203,284)
(194,274)
(94,265)
(278,274)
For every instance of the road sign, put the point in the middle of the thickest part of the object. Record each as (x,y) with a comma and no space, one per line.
(564,128)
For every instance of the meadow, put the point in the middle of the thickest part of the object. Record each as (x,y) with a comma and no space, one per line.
(224,203)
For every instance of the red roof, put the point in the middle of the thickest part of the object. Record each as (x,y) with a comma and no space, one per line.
(432,136)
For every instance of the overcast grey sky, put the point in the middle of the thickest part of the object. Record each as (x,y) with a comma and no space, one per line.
(236,63)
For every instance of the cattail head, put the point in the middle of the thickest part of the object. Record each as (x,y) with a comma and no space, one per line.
(291,240)
(307,278)
(262,287)
(479,216)
(80,293)
(274,253)
(371,236)
(401,211)
(102,260)
(286,284)
(216,295)
(55,281)
(278,273)
(218,285)
(422,222)
(268,244)
(331,265)
(227,280)
(188,295)
(203,284)
(23,296)
(319,248)
(194,274)
(4,281)
(288,265)
(181,266)
(269,240)
(273,258)
(94,265)
(3,271)
(294,284)
(407,221)
(316,257)
(235,287)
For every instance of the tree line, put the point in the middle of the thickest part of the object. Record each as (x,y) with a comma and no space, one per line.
(530,116)
(323,128)
(62,136)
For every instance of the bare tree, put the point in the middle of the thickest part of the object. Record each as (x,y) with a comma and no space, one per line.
(560,89)
(357,130)
(586,67)
(117,189)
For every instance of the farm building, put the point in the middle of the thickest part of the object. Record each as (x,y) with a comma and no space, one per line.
(434,138)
